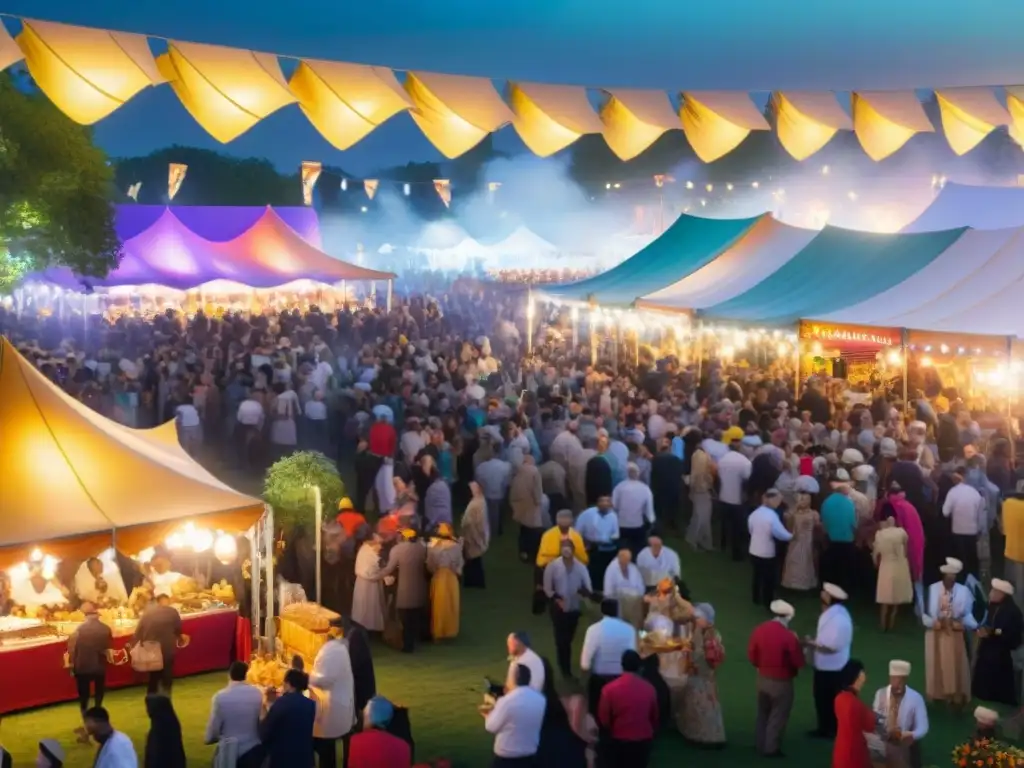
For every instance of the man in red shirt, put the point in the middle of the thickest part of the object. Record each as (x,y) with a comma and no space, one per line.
(628,717)
(374,747)
(382,440)
(775,651)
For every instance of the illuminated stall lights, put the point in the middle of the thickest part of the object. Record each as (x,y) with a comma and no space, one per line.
(47,565)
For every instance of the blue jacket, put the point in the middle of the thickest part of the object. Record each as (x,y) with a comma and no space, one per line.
(287,731)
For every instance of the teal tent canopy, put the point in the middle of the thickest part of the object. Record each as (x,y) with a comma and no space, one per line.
(837,269)
(683,248)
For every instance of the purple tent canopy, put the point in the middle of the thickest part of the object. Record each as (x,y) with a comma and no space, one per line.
(217,223)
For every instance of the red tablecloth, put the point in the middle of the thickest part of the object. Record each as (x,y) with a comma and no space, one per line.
(35,676)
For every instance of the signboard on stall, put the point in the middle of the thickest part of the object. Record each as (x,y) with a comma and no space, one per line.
(850,334)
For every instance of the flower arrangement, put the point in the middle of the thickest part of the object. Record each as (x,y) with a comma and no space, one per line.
(987,753)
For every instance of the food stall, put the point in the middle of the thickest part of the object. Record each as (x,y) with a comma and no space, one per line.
(81,491)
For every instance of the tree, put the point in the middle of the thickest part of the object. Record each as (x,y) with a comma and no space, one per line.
(213,179)
(288,488)
(55,191)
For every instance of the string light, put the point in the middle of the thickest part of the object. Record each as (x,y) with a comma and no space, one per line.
(852,195)
(754,184)
(344,185)
(689,185)
(825,170)
(710,187)
(608,185)
(363,209)
(729,186)
(406,189)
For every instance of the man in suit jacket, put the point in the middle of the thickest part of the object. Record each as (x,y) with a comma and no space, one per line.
(332,680)
(409,558)
(287,730)
(235,714)
(161,623)
(87,652)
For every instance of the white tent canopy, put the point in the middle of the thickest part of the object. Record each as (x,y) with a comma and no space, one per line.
(962,205)
(524,242)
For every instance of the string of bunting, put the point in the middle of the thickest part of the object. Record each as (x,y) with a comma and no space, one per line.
(89,73)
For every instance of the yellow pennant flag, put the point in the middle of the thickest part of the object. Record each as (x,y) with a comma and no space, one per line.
(370,185)
(444,191)
(310,173)
(175,178)
(133,191)
(659,180)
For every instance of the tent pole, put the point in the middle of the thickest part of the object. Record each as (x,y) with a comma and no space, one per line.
(344,294)
(593,339)
(318,503)
(530,310)
(268,540)
(253,535)
(391,287)
(574,314)
(699,349)
(796,368)
(905,352)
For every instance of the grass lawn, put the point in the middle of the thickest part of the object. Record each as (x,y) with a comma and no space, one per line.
(442,684)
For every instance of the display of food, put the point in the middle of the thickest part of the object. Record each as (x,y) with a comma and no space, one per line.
(17,632)
(312,616)
(266,671)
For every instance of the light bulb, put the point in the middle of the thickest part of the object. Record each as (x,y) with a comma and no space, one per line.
(225,549)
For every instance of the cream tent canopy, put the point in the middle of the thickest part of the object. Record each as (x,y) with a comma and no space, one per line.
(73,479)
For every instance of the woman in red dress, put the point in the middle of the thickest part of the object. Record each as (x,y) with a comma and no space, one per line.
(854,718)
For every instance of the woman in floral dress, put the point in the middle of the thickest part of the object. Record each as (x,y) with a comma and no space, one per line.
(799,571)
(700,717)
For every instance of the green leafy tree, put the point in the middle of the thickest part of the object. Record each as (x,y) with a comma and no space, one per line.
(288,488)
(55,190)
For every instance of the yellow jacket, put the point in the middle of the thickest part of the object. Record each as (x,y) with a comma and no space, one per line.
(551,544)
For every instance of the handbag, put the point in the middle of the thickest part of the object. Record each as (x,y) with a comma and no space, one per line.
(147,656)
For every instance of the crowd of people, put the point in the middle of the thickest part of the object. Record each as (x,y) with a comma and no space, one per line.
(451,429)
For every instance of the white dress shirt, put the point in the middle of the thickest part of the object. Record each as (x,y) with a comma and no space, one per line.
(964,506)
(733,471)
(654,568)
(634,504)
(765,527)
(532,662)
(604,644)
(515,722)
(912,716)
(835,631)
(250,413)
(316,410)
(617,585)
(235,714)
(596,528)
(187,415)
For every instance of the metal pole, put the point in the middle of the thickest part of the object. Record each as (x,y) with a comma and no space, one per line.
(593,339)
(530,309)
(796,369)
(391,285)
(904,351)
(318,503)
(699,349)
(253,535)
(270,631)
(575,315)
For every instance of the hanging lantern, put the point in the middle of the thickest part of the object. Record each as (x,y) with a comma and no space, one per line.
(225,549)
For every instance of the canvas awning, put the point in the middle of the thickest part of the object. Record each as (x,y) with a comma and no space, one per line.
(74,480)
(963,205)
(839,268)
(685,247)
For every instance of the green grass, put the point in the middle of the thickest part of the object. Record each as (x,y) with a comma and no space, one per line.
(441,684)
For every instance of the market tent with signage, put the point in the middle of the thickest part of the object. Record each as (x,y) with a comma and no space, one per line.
(688,245)
(964,205)
(73,479)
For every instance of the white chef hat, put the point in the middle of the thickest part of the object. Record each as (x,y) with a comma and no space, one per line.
(807,484)
(834,590)
(852,457)
(863,473)
(986,716)
(899,668)
(1002,585)
(782,608)
(952,566)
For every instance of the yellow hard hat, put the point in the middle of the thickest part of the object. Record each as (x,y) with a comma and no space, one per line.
(344,504)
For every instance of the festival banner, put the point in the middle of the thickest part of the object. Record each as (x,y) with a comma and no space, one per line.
(444,191)
(370,185)
(175,178)
(310,173)
(850,334)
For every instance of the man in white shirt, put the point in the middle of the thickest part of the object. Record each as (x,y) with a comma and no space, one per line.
(624,584)
(905,716)
(831,647)
(634,504)
(733,473)
(515,721)
(599,527)
(765,527)
(965,508)
(603,646)
(250,413)
(520,652)
(657,562)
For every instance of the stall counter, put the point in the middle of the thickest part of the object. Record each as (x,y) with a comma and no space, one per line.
(34,675)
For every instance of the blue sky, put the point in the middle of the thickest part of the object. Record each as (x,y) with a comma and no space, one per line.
(753,45)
